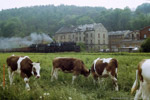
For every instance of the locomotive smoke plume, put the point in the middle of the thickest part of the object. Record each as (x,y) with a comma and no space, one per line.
(17,42)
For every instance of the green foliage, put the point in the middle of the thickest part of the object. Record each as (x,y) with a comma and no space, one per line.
(145,47)
(83,89)
(82,46)
(144,8)
(85,20)
(48,19)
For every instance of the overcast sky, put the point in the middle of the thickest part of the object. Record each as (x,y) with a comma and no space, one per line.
(7,4)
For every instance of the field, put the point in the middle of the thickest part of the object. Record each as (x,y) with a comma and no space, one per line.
(62,89)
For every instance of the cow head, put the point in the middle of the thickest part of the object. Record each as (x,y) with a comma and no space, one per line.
(36,69)
(86,72)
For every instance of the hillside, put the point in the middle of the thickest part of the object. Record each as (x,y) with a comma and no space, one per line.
(48,19)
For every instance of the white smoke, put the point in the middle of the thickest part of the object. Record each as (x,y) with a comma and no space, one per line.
(18,42)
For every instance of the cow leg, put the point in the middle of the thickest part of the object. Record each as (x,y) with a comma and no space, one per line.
(75,74)
(26,80)
(145,90)
(95,78)
(138,93)
(115,82)
(101,81)
(52,74)
(73,78)
(56,73)
(11,74)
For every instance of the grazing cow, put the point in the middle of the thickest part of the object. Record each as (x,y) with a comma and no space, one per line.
(105,67)
(24,66)
(143,73)
(69,65)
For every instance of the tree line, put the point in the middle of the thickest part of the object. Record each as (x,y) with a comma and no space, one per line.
(48,19)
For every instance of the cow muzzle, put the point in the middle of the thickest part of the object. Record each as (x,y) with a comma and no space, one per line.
(37,76)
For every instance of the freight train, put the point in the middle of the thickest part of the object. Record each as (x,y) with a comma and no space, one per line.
(47,48)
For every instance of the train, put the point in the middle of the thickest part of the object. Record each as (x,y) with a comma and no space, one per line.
(47,48)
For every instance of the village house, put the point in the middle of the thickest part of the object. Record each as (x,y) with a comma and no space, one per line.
(94,36)
(145,33)
(124,40)
(115,39)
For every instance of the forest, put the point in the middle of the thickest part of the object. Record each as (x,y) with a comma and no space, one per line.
(48,19)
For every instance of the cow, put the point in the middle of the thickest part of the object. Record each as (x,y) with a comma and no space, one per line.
(24,66)
(69,65)
(143,74)
(105,67)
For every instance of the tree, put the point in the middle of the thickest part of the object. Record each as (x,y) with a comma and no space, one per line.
(145,47)
(85,20)
(144,8)
(11,27)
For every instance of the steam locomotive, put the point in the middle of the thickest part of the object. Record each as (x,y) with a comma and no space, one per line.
(47,48)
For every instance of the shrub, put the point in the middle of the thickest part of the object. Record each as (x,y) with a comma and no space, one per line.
(145,47)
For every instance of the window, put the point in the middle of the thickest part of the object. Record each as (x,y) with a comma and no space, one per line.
(69,36)
(103,41)
(79,38)
(103,35)
(84,39)
(73,36)
(76,39)
(137,36)
(91,34)
(145,36)
(61,37)
(98,41)
(99,35)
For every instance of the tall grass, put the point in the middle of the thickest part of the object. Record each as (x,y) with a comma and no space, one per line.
(62,89)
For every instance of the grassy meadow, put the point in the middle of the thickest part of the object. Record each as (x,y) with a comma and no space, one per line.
(62,89)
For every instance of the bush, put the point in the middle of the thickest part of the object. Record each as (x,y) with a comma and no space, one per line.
(145,47)
(82,46)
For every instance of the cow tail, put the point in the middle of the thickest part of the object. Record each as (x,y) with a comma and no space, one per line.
(135,85)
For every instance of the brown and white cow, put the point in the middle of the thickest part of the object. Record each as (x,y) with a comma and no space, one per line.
(105,67)
(24,66)
(69,65)
(143,73)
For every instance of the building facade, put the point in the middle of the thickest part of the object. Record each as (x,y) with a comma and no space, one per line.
(115,39)
(145,33)
(124,40)
(94,36)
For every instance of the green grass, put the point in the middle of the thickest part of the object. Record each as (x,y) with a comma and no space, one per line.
(62,89)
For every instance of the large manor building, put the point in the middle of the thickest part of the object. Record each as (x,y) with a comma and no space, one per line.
(94,36)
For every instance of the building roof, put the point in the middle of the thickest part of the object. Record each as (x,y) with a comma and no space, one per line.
(145,28)
(124,32)
(85,27)
(66,29)
(79,28)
